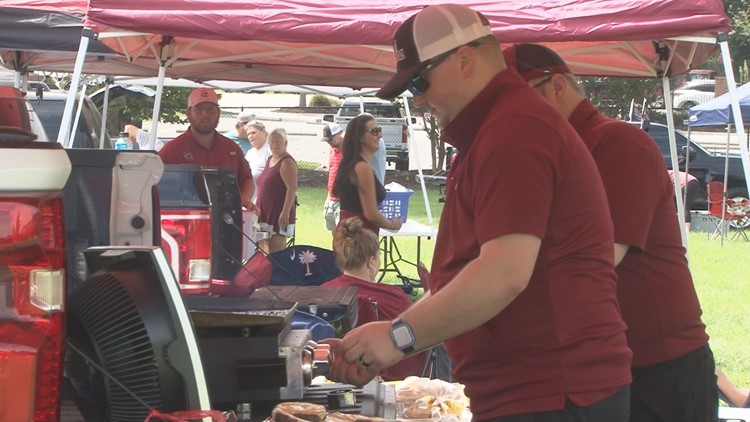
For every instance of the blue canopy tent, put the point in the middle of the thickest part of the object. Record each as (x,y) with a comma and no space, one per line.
(718,112)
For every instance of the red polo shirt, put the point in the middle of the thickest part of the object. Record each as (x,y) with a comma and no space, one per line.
(654,286)
(521,168)
(382,302)
(334,160)
(224,152)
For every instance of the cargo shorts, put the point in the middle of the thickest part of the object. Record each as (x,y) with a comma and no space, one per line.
(331,211)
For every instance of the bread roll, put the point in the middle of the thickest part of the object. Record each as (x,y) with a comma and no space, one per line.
(347,417)
(298,412)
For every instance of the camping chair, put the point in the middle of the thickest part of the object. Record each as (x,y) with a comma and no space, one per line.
(727,213)
(303,265)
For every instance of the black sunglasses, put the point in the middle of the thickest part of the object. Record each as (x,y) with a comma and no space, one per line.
(418,85)
(377,130)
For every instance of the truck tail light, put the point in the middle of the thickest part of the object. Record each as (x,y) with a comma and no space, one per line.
(186,241)
(405,134)
(32,291)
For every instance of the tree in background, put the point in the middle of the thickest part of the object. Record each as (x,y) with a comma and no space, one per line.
(135,109)
(739,39)
(612,96)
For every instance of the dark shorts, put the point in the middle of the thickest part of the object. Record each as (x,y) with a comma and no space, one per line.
(611,409)
(683,389)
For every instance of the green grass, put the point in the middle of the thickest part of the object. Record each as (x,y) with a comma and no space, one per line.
(307,165)
(310,227)
(719,272)
(721,280)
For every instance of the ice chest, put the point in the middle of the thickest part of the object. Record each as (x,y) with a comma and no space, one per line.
(396,204)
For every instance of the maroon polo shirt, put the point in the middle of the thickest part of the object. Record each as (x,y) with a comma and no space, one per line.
(334,160)
(382,302)
(654,287)
(224,152)
(521,168)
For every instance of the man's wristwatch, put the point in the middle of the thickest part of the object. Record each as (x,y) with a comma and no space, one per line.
(402,336)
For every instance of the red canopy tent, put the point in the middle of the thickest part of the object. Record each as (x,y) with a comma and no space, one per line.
(347,42)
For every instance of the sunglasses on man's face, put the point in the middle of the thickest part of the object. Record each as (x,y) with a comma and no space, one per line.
(418,85)
(375,131)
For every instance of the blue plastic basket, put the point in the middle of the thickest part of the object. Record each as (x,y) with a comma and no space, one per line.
(396,204)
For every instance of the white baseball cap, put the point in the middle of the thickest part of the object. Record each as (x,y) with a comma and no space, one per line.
(431,32)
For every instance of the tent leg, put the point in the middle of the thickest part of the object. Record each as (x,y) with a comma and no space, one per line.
(63,137)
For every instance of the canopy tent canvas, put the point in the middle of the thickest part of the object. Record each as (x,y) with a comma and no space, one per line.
(39,35)
(718,112)
(347,42)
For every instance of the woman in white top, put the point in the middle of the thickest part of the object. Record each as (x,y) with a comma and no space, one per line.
(259,153)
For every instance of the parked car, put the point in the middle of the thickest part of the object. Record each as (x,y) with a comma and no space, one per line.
(706,167)
(694,92)
(50,111)
(389,117)
(19,120)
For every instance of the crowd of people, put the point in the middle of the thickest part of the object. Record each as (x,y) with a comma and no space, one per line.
(267,174)
(559,288)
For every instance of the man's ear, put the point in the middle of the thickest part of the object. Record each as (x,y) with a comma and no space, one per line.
(560,86)
(467,57)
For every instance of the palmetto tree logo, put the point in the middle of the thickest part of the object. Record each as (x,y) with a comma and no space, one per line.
(307,257)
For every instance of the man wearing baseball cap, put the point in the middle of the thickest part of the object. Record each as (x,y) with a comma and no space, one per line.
(201,144)
(522,289)
(334,135)
(673,366)
(239,133)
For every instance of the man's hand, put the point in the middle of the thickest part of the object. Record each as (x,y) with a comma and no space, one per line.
(371,347)
(250,205)
(343,371)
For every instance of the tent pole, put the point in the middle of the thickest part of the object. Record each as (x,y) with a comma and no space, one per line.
(734,101)
(105,107)
(687,168)
(157,106)
(675,164)
(79,110)
(63,137)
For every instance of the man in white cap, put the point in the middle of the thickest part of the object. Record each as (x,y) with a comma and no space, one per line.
(522,289)
(239,133)
(201,144)
(334,135)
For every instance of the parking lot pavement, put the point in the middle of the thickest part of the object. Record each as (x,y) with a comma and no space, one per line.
(304,132)
(716,142)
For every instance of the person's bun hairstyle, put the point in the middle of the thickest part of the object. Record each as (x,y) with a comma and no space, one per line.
(354,244)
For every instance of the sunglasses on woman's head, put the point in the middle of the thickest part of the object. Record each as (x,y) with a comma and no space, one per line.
(377,130)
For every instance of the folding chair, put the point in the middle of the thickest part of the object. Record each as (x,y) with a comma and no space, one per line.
(727,213)
(303,265)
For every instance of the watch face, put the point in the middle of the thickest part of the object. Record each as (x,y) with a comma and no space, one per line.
(402,336)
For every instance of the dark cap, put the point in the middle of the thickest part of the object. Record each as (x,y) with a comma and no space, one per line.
(534,61)
(431,32)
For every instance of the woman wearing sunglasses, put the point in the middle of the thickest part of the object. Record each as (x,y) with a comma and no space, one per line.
(355,184)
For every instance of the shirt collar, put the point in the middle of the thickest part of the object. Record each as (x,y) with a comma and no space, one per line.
(583,111)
